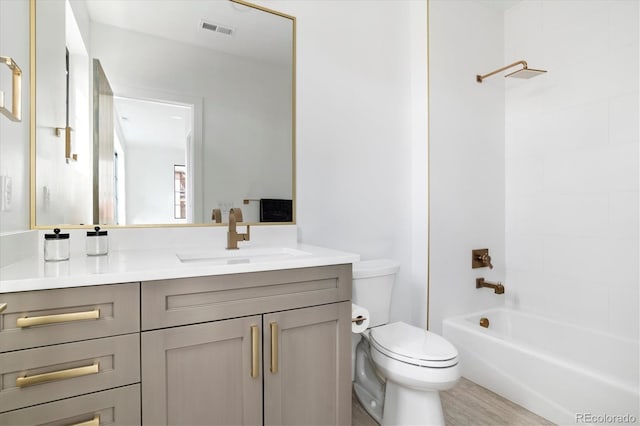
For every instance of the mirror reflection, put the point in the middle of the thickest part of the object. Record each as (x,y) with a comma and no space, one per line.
(160,111)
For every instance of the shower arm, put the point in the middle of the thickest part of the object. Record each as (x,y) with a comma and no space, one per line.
(479,78)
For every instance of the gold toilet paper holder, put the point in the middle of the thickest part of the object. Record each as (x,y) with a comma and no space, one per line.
(358,320)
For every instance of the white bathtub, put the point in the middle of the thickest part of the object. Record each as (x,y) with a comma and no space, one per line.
(564,373)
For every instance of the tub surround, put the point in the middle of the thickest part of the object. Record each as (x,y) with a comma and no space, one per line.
(152,253)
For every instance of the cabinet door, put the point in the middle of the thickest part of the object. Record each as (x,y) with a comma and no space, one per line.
(307,378)
(203,374)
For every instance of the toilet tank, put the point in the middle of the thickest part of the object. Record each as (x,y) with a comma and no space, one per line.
(373,282)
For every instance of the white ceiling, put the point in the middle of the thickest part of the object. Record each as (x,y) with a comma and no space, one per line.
(258,34)
(159,124)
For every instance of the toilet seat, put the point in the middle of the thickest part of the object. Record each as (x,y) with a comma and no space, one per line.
(413,345)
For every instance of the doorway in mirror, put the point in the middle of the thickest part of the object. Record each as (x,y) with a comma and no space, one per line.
(151,138)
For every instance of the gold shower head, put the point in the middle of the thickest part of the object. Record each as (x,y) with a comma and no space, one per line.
(524,72)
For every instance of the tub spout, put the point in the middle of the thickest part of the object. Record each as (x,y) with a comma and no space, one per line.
(498,288)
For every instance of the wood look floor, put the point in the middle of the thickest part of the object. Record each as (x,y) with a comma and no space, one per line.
(469,404)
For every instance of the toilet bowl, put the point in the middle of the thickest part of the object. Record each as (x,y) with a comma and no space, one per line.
(399,368)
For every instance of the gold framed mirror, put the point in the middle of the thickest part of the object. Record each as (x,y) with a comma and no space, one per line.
(148,113)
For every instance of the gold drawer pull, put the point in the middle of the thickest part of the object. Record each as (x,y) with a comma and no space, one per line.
(71,373)
(53,319)
(3,306)
(255,358)
(274,347)
(93,422)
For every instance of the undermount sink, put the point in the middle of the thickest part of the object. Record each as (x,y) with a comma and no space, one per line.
(242,255)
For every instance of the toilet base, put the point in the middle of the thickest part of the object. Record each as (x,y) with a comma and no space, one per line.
(406,406)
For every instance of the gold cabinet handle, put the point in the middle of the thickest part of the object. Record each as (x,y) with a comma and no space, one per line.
(16,106)
(53,319)
(274,347)
(255,354)
(22,382)
(93,422)
(3,306)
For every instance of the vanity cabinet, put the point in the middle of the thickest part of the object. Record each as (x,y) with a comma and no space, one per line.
(257,348)
(277,353)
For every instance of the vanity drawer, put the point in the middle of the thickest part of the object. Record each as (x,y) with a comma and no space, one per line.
(112,407)
(168,303)
(67,315)
(34,376)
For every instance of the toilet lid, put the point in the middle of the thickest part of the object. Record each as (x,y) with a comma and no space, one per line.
(413,345)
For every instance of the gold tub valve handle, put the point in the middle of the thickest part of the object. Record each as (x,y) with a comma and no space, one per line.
(480,258)
(486,260)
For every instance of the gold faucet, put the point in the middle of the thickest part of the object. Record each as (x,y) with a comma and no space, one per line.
(498,288)
(216,215)
(235,215)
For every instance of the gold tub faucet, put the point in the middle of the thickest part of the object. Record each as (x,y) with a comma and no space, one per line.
(498,288)
(235,215)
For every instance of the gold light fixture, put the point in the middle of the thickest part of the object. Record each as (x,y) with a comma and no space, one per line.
(524,72)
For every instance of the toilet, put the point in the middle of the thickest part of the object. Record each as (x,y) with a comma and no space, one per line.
(399,369)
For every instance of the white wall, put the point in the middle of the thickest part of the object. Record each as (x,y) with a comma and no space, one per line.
(244,155)
(466,129)
(61,186)
(149,189)
(361,148)
(14,137)
(572,163)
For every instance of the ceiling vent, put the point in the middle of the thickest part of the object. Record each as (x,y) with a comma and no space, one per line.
(216,28)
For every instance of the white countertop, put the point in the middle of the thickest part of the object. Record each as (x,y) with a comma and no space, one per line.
(132,265)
